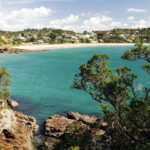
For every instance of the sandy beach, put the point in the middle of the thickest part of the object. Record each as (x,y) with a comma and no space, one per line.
(47,47)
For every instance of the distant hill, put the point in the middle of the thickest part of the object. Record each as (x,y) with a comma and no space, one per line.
(51,36)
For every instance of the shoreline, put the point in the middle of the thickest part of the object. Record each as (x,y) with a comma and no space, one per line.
(46,47)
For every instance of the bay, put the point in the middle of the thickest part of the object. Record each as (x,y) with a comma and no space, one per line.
(41,81)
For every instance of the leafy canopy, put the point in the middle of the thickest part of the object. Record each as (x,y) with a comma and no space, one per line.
(4,83)
(139,52)
(126,112)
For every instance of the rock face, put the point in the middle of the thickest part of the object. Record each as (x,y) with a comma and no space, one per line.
(12,103)
(16,129)
(57,126)
(83,118)
(7,117)
(18,139)
(28,121)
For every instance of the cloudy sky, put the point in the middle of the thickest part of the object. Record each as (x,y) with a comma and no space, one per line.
(77,15)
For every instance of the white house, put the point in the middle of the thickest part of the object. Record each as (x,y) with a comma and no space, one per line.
(21,37)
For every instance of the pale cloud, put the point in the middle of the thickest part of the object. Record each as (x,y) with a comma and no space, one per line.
(96,22)
(131,18)
(136,10)
(41,17)
(107,23)
(141,23)
(25,18)
(28,13)
(69,20)
(98,19)
(115,24)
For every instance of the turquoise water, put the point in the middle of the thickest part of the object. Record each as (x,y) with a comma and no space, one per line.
(41,80)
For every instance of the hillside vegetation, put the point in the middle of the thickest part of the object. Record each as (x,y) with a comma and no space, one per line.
(57,36)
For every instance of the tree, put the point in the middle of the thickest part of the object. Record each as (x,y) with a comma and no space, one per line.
(126,112)
(52,36)
(4,83)
(32,39)
(139,52)
(101,35)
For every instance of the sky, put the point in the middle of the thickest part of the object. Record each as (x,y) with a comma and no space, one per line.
(76,15)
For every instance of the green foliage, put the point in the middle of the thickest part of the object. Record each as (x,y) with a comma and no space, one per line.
(139,52)
(101,83)
(75,148)
(76,139)
(127,113)
(52,36)
(80,136)
(49,35)
(4,83)
(146,67)
(41,147)
(4,40)
(115,39)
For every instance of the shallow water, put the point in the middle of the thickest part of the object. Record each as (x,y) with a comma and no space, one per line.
(41,80)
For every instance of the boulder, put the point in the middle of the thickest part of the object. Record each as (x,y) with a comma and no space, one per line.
(27,121)
(16,129)
(56,126)
(12,103)
(75,124)
(86,119)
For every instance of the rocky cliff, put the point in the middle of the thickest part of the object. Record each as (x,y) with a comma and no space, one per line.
(16,129)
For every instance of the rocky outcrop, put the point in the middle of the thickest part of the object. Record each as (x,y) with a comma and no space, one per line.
(10,50)
(56,127)
(83,118)
(16,129)
(18,139)
(7,117)
(12,103)
(28,121)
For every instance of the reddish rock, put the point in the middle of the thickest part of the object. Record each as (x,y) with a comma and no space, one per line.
(56,125)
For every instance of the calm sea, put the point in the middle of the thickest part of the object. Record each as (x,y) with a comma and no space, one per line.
(41,81)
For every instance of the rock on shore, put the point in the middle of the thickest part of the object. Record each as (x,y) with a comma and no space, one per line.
(12,103)
(16,129)
(57,126)
(83,118)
